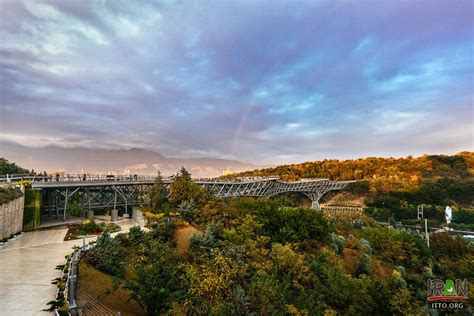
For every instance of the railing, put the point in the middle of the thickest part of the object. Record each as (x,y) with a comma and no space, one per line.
(234,180)
(9,178)
(75,178)
(71,279)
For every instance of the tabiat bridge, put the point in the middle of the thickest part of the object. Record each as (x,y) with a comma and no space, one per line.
(112,191)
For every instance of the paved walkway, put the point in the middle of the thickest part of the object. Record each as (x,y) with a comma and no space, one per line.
(27,267)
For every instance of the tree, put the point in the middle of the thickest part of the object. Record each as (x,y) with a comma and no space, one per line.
(187,211)
(158,194)
(10,167)
(153,282)
(109,255)
(184,189)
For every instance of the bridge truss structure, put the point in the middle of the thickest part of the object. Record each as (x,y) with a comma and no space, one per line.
(92,192)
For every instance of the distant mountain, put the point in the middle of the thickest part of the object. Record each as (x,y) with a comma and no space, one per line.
(92,160)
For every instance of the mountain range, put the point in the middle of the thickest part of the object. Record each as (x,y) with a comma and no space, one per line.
(93,160)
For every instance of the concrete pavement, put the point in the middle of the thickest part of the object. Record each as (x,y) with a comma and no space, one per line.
(27,266)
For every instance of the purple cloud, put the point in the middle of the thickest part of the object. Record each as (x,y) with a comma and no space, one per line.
(262,81)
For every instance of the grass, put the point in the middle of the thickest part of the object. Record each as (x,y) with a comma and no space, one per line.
(99,284)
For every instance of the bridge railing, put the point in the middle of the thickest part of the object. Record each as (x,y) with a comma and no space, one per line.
(238,179)
(74,178)
(11,178)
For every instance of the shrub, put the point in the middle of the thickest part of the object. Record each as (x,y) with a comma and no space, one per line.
(152,217)
(87,227)
(9,194)
(195,241)
(291,224)
(464,216)
(110,228)
(187,211)
(337,243)
(75,209)
(135,235)
(364,266)
(366,244)
(109,255)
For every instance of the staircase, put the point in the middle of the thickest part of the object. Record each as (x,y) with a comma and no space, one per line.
(88,305)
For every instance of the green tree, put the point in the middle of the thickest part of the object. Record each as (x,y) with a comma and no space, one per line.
(10,167)
(109,255)
(187,211)
(158,194)
(153,283)
(183,188)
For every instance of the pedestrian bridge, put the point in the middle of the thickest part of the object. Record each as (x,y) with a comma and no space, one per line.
(107,191)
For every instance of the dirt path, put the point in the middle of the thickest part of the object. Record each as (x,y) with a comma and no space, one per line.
(182,235)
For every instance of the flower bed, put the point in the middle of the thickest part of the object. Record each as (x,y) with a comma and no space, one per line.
(90,227)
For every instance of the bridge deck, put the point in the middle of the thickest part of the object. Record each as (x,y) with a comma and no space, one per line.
(126,190)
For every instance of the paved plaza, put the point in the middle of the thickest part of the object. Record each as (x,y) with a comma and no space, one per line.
(27,266)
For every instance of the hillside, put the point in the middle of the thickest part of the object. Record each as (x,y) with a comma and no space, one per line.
(430,179)
(257,256)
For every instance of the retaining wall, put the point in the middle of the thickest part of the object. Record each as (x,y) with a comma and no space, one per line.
(11,217)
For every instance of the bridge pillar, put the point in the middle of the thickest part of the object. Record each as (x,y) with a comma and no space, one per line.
(66,197)
(315,205)
(114,215)
(314,197)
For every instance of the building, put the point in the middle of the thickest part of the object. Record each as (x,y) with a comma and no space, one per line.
(227,172)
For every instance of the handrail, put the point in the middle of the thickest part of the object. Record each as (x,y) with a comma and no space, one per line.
(9,178)
(75,177)
(70,286)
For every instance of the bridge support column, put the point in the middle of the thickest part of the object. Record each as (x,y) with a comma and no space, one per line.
(314,197)
(66,196)
(114,215)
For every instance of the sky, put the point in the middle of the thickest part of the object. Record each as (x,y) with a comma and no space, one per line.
(266,82)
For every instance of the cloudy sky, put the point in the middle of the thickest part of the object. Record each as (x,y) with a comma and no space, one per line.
(258,81)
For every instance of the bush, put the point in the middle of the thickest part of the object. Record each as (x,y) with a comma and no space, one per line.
(364,266)
(9,194)
(464,216)
(456,226)
(195,241)
(87,227)
(110,228)
(164,231)
(75,209)
(291,224)
(337,243)
(187,211)
(152,217)
(109,255)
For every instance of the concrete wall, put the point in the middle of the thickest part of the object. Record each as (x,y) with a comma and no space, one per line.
(11,217)
(137,216)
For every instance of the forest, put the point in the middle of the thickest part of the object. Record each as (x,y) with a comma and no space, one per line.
(259,257)
(393,188)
